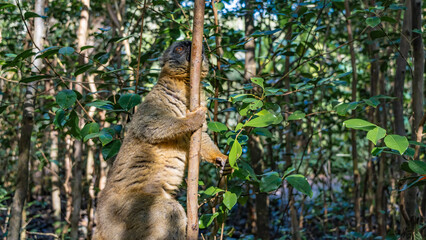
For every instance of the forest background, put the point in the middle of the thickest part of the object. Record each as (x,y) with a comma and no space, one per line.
(320,104)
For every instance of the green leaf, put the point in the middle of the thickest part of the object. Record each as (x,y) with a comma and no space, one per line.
(373,102)
(111,149)
(235,153)
(296,115)
(66,51)
(238,98)
(262,132)
(359,124)
(6,5)
(405,167)
(377,151)
(373,21)
(90,128)
(3,108)
(417,166)
(265,33)
(300,183)
(129,100)
(124,38)
(219,5)
(106,135)
(211,191)
(217,126)
(396,142)
(60,118)
(82,69)
(256,104)
(257,80)
(30,15)
(101,104)
(207,219)
(66,98)
(47,52)
(376,134)
(230,199)
(270,181)
(86,47)
(90,136)
(417,143)
(388,19)
(34,78)
(263,118)
(74,125)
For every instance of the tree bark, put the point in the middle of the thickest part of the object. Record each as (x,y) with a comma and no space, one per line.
(78,145)
(417,107)
(357,179)
(261,201)
(26,130)
(398,109)
(56,184)
(194,102)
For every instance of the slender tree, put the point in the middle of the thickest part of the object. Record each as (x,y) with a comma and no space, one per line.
(78,145)
(195,144)
(357,178)
(39,34)
(410,196)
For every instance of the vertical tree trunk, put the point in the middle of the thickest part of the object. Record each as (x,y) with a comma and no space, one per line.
(56,184)
(357,179)
(249,71)
(256,152)
(417,107)
(368,198)
(78,145)
(261,201)
(398,110)
(219,52)
(26,130)
(194,102)
(288,141)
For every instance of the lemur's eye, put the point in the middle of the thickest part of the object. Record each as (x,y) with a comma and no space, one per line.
(179,49)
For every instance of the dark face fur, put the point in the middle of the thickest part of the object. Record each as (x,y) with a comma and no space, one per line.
(176,60)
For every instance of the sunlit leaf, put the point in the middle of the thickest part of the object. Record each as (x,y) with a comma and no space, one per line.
(376,134)
(235,153)
(396,142)
(359,124)
(229,199)
(217,126)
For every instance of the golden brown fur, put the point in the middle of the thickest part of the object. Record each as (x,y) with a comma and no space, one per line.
(138,200)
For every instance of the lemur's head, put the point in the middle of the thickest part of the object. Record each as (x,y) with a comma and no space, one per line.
(176,60)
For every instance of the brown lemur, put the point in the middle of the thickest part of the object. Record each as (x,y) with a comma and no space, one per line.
(138,201)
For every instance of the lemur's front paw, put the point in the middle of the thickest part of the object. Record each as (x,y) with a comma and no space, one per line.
(197,117)
(223,164)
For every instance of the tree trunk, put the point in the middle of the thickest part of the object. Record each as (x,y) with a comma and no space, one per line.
(417,107)
(26,130)
(261,201)
(357,179)
(78,145)
(398,110)
(56,183)
(194,102)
